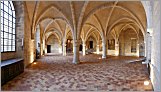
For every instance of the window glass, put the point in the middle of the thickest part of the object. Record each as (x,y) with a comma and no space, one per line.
(13,13)
(10,18)
(9,48)
(1,27)
(13,41)
(13,37)
(9,42)
(5,41)
(5,8)
(13,48)
(5,35)
(7,26)
(2,42)
(1,35)
(13,31)
(5,48)
(10,30)
(2,48)
(10,36)
(1,13)
(1,6)
(14,25)
(10,24)
(5,3)
(13,20)
(5,21)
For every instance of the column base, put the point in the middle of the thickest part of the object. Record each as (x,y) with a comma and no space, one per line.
(76,62)
(103,57)
(64,55)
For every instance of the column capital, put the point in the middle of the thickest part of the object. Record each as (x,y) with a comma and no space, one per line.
(103,43)
(84,44)
(116,44)
(76,43)
(64,44)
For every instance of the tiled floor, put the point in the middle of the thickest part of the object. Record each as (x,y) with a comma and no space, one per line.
(55,72)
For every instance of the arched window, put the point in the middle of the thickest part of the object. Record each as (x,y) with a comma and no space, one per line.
(8,32)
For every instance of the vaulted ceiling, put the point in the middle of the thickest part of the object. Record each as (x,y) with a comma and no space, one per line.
(80,17)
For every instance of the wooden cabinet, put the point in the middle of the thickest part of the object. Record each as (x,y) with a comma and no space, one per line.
(10,69)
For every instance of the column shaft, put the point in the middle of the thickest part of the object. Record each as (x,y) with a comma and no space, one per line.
(116,49)
(98,49)
(76,53)
(84,49)
(64,49)
(104,50)
(137,48)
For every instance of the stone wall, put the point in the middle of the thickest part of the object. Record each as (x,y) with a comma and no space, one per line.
(125,42)
(110,51)
(8,55)
(54,42)
(29,50)
(19,29)
(88,43)
(155,56)
(37,39)
(19,11)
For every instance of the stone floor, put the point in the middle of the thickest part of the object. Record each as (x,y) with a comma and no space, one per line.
(55,72)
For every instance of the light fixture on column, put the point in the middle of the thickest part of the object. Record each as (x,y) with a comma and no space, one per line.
(150,30)
(146,83)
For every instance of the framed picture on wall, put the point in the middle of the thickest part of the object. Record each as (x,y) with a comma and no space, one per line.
(111,44)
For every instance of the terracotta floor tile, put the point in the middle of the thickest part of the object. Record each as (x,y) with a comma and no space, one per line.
(56,72)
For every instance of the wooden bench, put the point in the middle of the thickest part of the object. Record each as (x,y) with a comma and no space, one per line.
(10,69)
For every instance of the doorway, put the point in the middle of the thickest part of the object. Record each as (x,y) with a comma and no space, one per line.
(80,48)
(91,44)
(48,48)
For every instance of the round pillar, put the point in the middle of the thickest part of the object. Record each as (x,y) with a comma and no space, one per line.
(84,49)
(98,49)
(137,50)
(116,49)
(76,52)
(104,50)
(64,49)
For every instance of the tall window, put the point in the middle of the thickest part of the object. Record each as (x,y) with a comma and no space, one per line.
(8,32)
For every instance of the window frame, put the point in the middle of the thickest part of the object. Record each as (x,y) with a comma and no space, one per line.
(12,46)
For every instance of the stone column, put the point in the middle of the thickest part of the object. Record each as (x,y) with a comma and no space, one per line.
(145,47)
(64,49)
(60,48)
(98,49)
(45,48)
(76,52)
(137,49)
(148,47)
(116,49)
(104,50)
(41,49)
(84,48)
